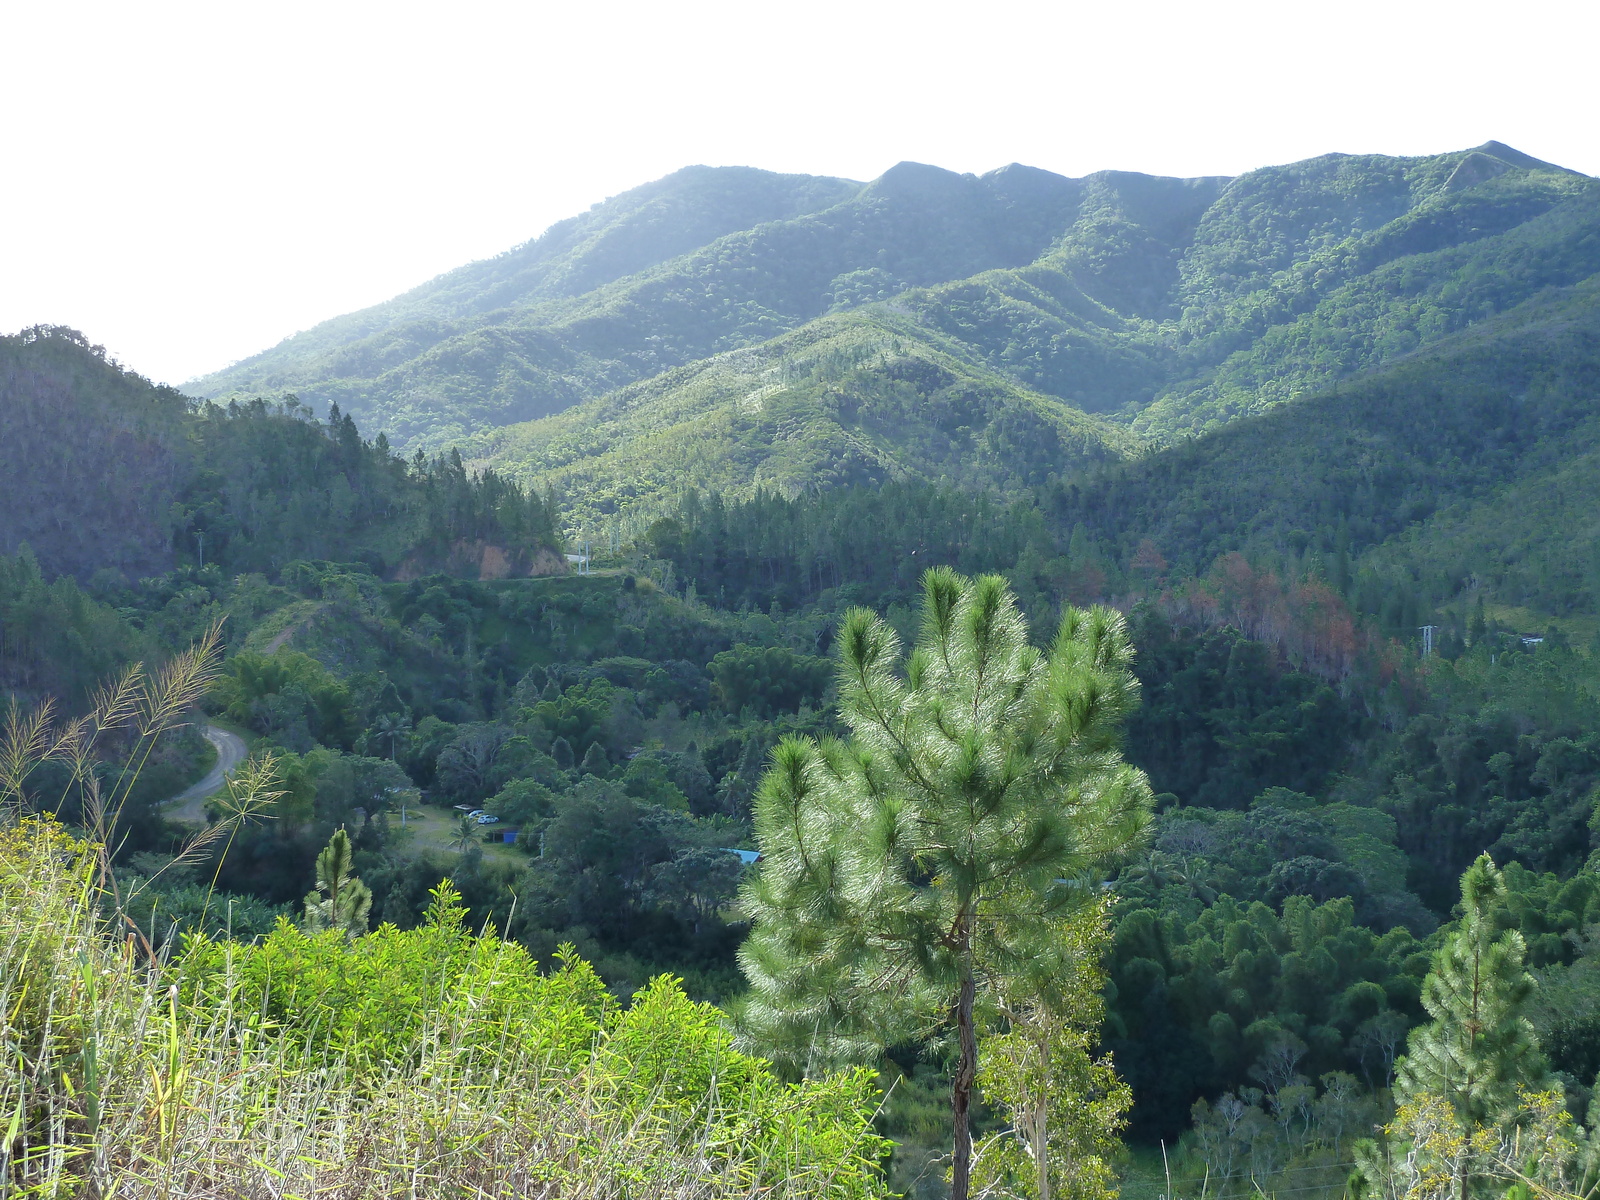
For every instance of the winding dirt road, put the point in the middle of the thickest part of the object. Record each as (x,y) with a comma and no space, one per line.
(190,805)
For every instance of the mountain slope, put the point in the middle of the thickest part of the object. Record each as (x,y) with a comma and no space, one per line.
(853,398)
(1456,257)
(102,471)
(1440,449)
(91,457)
(1467,472)
(1175,304)
(623,236)
(430,379)
(1291,278)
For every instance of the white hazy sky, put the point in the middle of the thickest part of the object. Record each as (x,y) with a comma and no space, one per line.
(188,183)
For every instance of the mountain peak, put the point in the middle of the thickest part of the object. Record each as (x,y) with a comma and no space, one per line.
(1516,158)
(917,180)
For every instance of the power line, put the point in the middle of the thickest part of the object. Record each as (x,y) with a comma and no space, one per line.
(1289,1170)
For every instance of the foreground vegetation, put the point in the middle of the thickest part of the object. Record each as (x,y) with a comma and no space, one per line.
(428,1062)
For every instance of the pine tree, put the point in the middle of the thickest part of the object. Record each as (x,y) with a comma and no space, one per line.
(340,901)
(595,761)
(561,753)
(932,856)
(1479,1048)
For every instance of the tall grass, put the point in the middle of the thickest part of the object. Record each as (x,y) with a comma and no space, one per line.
(115,1085)
(121,1077)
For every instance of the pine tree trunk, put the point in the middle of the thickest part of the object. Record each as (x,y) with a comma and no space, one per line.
(966,1075)
(1041,1125)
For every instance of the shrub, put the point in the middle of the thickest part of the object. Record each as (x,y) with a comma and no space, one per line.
(426,1062)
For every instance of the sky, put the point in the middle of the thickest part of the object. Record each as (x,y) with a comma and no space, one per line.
(189,183)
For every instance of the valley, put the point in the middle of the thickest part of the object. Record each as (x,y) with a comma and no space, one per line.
(1282,486)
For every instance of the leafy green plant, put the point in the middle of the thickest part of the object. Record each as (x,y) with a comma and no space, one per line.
(1067,1108)
(425,1062)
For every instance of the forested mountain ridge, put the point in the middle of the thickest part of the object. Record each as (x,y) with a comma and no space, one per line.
(777,419)
(623,236)
(1430,438)
(854,398)
(101,471)
(91,457)
(1173,304)
(542,351)
(1455,476)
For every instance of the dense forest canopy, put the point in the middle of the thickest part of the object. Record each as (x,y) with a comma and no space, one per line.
(103,471)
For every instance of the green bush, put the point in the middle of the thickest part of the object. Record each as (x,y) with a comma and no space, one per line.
(426,1062)
(768,679)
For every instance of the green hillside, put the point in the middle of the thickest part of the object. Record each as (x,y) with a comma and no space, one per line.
(101,471)
(1266,429)
(489,345)
(1460,475)
(852,399)
(1483,410)
(623,236)
(1171,305)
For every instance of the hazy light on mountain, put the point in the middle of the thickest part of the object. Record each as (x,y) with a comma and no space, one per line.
(191,182)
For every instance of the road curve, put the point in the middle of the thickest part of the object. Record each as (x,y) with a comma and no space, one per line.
(190,805)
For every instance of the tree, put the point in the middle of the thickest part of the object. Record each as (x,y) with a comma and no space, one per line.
(767,679)
(1375,1043)
(467,767)
(595,761)
(1479,1046)
(392,726)
(1479,1055)
(697,882)
(465,836)
(340,901)
(1067,1108)
(932,856)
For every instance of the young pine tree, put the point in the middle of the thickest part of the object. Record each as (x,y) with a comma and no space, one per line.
(1479,1050)
(341,901)
(912,870)
(1479,1046)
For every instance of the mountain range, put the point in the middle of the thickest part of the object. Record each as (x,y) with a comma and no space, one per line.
(1395,354)
(729,328)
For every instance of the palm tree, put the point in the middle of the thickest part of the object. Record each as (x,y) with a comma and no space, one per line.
(465,836)
(1157,870)
(392,726)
